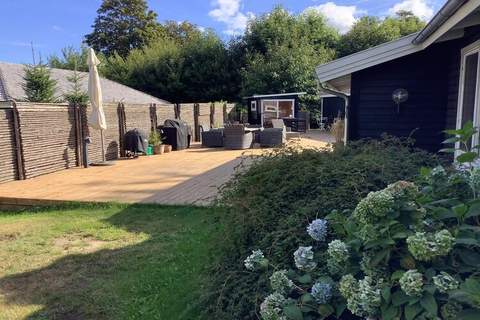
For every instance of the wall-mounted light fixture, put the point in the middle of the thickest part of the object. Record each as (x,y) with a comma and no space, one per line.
(399,96)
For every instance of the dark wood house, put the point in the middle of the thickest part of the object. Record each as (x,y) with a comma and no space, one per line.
(416,86)
(264,107)
(331,107)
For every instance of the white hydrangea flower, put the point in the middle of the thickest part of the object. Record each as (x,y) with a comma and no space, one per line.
(255,260)
(338,251)
(280,283)
(445,282)
(412,283)
(304,259)
(375,205)
(272,307)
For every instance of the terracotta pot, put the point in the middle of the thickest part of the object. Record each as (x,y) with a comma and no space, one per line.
(158,149)
(168,148)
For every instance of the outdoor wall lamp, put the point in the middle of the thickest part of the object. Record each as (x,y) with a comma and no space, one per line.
(399,96)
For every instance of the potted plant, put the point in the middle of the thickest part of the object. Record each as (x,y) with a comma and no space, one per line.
(156,142)
(168,148)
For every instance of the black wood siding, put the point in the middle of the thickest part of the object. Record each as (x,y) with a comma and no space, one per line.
(431,78)
(424,76)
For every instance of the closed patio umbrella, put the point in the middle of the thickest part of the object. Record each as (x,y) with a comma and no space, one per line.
(97,117)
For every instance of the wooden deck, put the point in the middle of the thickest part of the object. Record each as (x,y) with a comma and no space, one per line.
(184,177)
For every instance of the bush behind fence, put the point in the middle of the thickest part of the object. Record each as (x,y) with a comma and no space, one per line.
(37,139)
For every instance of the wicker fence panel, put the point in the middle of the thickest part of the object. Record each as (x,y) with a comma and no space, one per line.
(187,115)
(204,116)
(51,135)
(230,111)
(48,138)
(8,167)
(165,112)
(138,116)
(218,115)
(111,135)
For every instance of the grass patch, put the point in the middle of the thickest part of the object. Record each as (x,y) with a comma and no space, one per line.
(105,262)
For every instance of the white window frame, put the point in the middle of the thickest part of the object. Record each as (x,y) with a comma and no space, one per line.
(253,106)
(277,103)
(467,51)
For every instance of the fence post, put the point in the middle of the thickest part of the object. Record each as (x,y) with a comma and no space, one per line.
(17,138)
(153,117)
(196,125)
(225,114)
(177,110)
(122,127)
(212,114)
(78,134)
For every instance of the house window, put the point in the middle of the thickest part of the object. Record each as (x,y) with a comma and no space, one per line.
(277,109)
(469,89)
(253,106)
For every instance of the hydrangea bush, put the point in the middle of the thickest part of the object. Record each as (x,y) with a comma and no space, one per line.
(409,251)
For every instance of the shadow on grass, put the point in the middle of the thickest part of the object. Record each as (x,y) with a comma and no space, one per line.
(158,278)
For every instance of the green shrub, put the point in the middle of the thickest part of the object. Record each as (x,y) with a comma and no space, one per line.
(270,204)
(402,255)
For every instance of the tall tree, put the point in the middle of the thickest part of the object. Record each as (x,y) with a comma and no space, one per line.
(156,69)
(123,25)
(371,31)
(181,31)
(38,84)
(282,51)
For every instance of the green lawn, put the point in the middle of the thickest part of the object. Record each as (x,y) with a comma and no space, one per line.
(105,262)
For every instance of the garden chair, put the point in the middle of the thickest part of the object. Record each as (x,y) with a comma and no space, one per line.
(279,124)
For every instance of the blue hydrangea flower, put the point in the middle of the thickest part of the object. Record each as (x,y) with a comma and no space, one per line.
(318,229)
(322,292)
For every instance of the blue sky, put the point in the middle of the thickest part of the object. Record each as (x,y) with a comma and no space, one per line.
(54,24)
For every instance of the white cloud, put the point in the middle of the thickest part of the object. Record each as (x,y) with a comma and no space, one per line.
(420,8)
(339,17)
(57,28)
(228,12)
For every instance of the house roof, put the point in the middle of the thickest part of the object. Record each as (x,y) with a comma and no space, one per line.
(447,24)
(276,95)
(11,86)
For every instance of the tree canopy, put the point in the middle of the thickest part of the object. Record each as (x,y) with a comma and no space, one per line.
(70,59)
(282,51)
(191,71)
(123,25)
(371,31)
(181,62)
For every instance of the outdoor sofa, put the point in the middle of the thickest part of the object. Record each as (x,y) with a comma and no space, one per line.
(236,138)
(212,138)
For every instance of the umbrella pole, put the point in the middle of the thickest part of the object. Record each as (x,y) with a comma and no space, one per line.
(103,145)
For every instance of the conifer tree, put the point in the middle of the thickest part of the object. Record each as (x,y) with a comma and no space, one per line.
(38,84)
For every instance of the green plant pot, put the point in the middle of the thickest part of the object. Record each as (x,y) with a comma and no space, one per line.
(149,150)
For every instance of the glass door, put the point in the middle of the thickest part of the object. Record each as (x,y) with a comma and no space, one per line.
(286,108)
(269,112)
(469,90)
(277,109)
